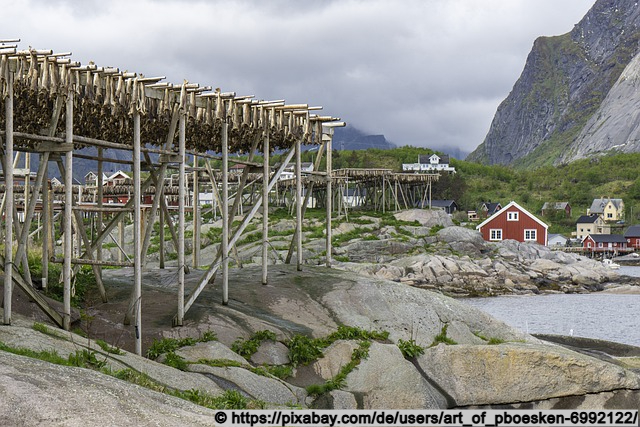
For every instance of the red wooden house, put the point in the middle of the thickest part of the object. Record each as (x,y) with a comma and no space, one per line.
(633,236)
(605,243)
(514,222)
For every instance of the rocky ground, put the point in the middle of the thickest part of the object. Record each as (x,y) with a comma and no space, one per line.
(468,359)
(425,249)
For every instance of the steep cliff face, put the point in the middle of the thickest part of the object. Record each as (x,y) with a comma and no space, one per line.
(564,83)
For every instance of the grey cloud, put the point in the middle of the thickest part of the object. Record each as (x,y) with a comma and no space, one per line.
(423,72)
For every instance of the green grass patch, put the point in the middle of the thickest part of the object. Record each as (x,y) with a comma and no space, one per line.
(340,379)
(490,341)
(168,345)
(246,348)
(108,348)
(442,337)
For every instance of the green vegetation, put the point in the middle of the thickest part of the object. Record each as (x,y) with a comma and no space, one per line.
(81,358)
(108,348)
(490,341)
(340,380)
(579,182)
(246,348)
(170,345)
(410,349)
(442,337)
(304,350)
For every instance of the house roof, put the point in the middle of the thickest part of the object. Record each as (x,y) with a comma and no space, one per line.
(492,207)
(119,173)
(443,203)
(606,238)
(598,204)
(555,205)
(633,231)
(587,219)
(557,237)
(426,158)
(501,211)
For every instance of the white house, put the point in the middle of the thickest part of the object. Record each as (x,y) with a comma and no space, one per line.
(432,163)
(290,171)
(354,197)
(557,240)
(91,179)
(117,178)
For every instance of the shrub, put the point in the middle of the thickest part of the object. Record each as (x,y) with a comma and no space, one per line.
(303,350)
(410,349)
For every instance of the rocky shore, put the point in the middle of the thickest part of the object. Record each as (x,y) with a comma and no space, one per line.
(463,264)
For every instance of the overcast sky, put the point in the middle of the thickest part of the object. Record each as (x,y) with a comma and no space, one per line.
(422,72)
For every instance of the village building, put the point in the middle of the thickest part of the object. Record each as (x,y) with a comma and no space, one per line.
(91,179)
(118,178)
(633,236)
(550,208)
(609,209)
(605,242)
(430,163)
(591,224)
(290,171)
(514,222)
(487,209)
(557,240)
(449,206)
(354,197)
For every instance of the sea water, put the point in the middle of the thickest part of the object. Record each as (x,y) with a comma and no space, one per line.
(611,317)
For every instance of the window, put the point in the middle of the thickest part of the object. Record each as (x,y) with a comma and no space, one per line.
(530,235)
(495,234)
(588,244)
(609,215)
(512,216)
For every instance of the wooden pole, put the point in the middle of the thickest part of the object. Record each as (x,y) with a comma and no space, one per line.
(137,259)
(157,197)
(100,194)
(196,215)
(68,204)
(8,179)
(181,195)
(265,207)
(121,238)
(329,141)
(45,228)
(307,197)
(162,237)
(298,206)
(225,213)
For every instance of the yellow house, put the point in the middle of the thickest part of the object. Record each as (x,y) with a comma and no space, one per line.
(591,224)
(608,209)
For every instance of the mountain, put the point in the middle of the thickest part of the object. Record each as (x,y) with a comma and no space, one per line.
(83,166)
(576,96)
(350,138)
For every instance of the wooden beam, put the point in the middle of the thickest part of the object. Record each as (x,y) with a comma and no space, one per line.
(265,207)
(68,203)
(8,199)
